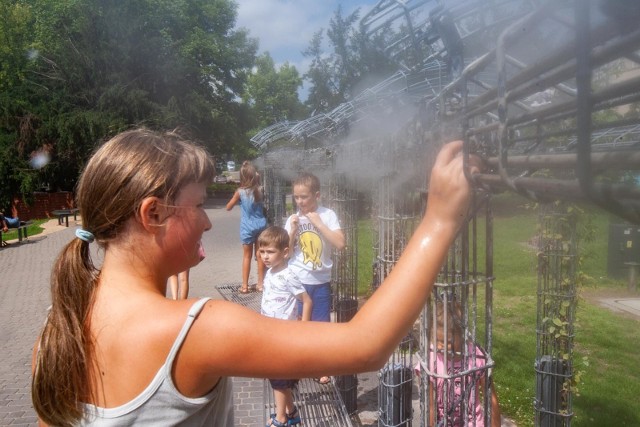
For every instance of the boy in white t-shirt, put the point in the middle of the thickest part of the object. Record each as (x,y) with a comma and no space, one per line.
(282,291)
(314,231)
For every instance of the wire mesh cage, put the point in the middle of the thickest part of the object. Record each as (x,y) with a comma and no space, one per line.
(557,299)
(455,362)
(547,94)
(395,392)
(398,208)
(275,191)
(344,277)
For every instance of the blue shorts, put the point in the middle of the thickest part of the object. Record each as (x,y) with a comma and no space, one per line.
(249,237)
(321,297)
(283,384)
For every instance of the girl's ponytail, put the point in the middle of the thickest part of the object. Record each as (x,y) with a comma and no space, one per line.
(65,347)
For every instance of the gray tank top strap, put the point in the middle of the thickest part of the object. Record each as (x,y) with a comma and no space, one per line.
(191,317)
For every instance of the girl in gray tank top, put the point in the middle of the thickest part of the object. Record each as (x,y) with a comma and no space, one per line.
(115,351)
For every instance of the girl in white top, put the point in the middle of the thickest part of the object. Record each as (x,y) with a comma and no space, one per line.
(112,335)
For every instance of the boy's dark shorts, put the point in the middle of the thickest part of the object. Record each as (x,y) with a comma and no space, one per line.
(283,384)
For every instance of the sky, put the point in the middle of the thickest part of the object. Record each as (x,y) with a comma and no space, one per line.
(285,27)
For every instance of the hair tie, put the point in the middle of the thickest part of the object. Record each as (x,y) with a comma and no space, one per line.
(85,235)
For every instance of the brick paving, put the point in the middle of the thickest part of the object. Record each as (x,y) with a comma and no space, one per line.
(24,297)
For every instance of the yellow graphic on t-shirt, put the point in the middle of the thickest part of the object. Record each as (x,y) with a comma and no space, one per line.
(311,247)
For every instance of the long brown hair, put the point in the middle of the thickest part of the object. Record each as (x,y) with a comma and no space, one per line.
(124,171)
(250,179)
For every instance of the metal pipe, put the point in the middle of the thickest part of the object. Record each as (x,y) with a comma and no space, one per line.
(552,189)
(608,160)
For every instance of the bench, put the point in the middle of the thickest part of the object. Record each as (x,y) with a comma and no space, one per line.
(22,232)
(64,214)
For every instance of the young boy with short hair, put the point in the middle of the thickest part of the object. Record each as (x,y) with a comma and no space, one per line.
(282,291)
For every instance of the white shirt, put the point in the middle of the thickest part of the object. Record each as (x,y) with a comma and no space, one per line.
(280,294)
(311,259)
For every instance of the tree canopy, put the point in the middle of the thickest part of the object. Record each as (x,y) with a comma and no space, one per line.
(273,94)
(74,72)
(336,76)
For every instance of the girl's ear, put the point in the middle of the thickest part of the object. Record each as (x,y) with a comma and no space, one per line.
(150,214)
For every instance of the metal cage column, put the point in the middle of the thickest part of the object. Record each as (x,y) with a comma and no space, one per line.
(399,206)
(557,263)
(455,362)
(344,202)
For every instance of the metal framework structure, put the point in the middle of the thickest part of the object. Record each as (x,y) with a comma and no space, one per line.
(456,342)
(547,93)
(344,280)
(557,300)
(397,208)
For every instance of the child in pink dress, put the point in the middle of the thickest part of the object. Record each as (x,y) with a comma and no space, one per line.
(457,370)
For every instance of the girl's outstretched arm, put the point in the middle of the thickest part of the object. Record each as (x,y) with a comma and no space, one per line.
(263,347)
(391,311)
(234,199)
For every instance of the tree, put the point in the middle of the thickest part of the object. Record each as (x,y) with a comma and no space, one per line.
(273,94)
(97,67)
(16,48)
(336,77)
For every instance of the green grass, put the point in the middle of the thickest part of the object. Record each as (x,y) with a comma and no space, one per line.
(32,229)
(365,256)
(606,345)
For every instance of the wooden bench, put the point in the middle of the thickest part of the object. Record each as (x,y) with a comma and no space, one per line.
(64,214)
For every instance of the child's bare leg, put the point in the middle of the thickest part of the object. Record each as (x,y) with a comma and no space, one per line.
(247,253)
(173,286)
(283,398)
(261,270)
(183,284)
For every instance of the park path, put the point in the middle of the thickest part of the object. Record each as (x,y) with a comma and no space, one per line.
(24,297)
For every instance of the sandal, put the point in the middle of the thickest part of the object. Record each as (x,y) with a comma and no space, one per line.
(244,289)
(293,418)
(275,423)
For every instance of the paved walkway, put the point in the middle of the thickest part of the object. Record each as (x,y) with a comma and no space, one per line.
(24,298)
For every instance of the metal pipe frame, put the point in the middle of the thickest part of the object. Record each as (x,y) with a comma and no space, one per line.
(567,147)
(556,306)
